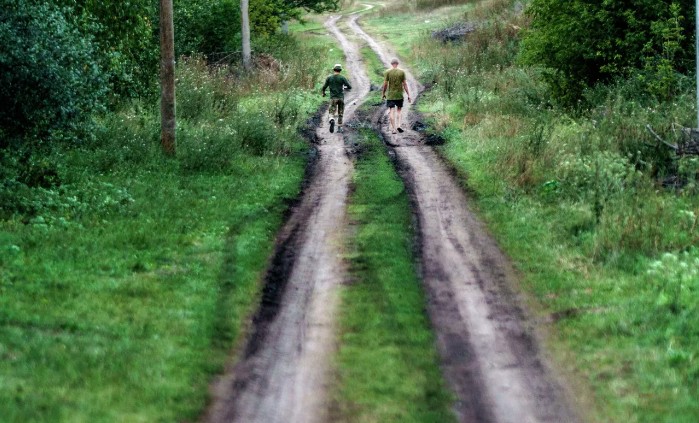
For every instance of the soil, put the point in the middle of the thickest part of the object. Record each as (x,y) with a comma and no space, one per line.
(489,351)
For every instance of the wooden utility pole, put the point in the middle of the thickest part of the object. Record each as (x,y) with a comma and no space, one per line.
(247,55)
(167,79)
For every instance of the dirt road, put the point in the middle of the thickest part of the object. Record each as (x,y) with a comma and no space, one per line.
(283,375)
(489,356)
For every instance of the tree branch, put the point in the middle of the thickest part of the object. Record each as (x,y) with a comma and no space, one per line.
(657,137)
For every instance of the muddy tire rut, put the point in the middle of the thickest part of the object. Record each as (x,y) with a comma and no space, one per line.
(489,354)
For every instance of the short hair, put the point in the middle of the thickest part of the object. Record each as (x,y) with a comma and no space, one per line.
(394,61)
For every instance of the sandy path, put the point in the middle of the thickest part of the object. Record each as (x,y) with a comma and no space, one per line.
(489,355)
(283,376)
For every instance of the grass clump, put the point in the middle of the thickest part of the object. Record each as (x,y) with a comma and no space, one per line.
(387,362)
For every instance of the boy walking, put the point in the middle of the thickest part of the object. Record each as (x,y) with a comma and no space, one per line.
(336,83)
(394,84)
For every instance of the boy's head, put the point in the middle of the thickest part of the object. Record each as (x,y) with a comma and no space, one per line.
(394,62)
(337,68)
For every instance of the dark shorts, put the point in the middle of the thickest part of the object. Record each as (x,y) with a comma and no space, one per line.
(394,103)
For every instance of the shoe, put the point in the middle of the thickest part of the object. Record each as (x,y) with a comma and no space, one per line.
(400,130)
(332,125)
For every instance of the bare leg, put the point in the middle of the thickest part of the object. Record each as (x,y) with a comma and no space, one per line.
(398,118)
(392,118)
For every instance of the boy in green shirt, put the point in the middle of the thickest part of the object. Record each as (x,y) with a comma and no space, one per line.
(394,81)
(336,83)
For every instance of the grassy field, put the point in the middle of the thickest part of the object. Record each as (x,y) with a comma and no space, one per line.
(124,289)
(126,318)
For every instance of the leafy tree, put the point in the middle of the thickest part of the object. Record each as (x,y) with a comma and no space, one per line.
(126,33)
(585,42)
(206,27)
(50,82)
(289,9)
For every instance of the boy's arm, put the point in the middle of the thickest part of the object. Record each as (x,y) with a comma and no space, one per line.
(325,86)
(347,84)
(405,87)
(385,84)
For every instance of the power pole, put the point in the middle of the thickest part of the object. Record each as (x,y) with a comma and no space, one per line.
(167,79)
(245,15)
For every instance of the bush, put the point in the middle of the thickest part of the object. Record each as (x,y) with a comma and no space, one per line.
(585,42)
(204,92)
(205,27)
(127,35)
(50,83)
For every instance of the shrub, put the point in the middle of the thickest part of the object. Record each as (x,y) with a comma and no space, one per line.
(204,92)
(126,34)
(585,42)
(50,84)
(206,27)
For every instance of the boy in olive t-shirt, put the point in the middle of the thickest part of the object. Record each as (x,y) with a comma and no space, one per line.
(394,84)
(336,83)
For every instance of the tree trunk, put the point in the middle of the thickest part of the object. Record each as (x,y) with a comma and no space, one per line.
(247,55)
(167,79)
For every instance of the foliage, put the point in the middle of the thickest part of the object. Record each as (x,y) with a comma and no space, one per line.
(126,34)
(213,28)
(585,42)
(50,83)
(206,27)
(579,201)
(289,9)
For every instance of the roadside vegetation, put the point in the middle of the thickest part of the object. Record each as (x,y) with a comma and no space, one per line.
(126,278)
(600,217)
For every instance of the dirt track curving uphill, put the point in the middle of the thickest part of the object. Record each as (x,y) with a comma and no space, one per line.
(282,376)
(489,355)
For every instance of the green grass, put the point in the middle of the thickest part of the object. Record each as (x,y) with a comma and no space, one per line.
(387,362)
(375,68)
(126,319)
(124,289)
(402,31)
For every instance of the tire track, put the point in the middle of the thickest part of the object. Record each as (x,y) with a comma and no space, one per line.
(283,374)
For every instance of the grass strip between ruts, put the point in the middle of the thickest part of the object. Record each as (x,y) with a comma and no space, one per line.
(387,362)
